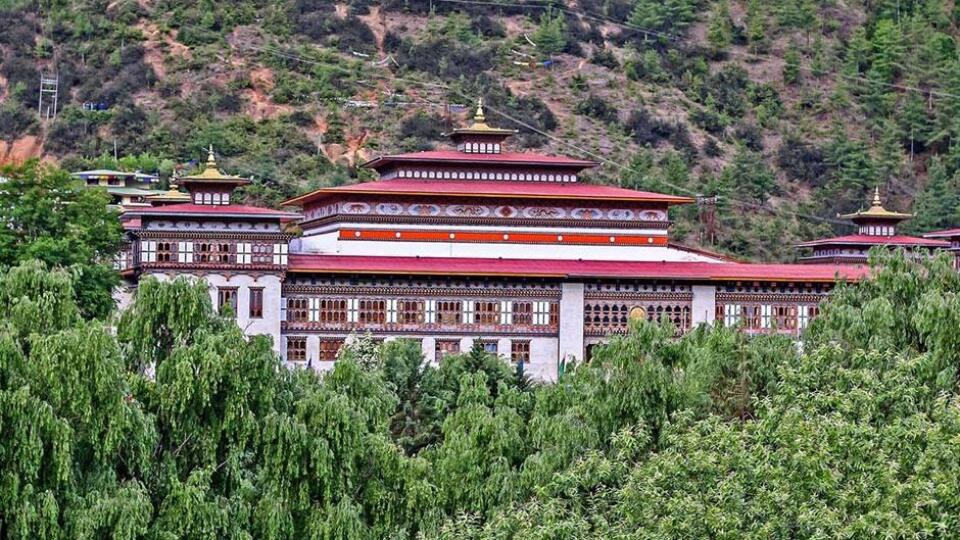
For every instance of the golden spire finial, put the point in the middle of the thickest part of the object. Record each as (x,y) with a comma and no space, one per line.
(876,197)
(479,116)
(211,160)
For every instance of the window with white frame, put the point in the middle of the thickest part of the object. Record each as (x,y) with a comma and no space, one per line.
(313,310)
(805,314)
(148,251)
(506,312)
(185,252)
(391,310)
(731,314)
(280,254)
(541,313)
(244,253)
(353,310)
(766,315)
(467,311)
(430,311)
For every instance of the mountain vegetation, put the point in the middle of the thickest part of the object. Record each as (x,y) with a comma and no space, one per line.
(789,110)
(177,426)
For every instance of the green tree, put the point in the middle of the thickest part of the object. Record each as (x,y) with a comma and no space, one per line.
(791,65)
(720,28)
(551,33)
(52,217)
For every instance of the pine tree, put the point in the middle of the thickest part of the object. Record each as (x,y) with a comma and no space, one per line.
(551,33)
(791,65)
(756,26)
(936,205)
(720,29)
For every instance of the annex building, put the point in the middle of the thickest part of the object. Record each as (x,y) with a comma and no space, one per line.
(471,244)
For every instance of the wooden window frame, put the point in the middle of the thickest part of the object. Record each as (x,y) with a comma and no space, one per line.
(296,348)
(520,350)
(255,303)
(229,295)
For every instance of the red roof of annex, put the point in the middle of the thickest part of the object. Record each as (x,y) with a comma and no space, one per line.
(692,271)
(225,210)
(505,158)
(498,189)
(863,239)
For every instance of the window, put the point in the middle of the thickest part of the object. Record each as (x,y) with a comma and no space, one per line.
(506,312)
(805,314)
(544,313)
(244,253)
(280,254)
(430,311)
(486,312)
(296,348)
(731,314)
(333,310)
(392,310)
(298,309)
(329,348)
(766,315)
(148,251)
(410,311)
(227,296)
(372,311)
(214,252)
(523,313)
(166,252)
(489,346)
(447,347)
(449,312)
(185,252)
(520,351)
(256,303)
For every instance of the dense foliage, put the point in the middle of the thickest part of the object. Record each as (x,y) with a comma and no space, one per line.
(711,435)
(790,110)
(49,216)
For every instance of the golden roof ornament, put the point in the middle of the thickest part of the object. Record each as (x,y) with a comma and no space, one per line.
(480,127)
(479,117)
(211,172)
(876,211)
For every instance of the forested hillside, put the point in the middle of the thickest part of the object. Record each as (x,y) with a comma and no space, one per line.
(789,110)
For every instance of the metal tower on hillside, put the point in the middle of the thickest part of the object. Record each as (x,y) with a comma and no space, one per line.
(49,85)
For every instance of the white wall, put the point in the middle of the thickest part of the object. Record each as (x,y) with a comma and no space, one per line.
(571,322)
(269,324)
(329,243)
(704,306)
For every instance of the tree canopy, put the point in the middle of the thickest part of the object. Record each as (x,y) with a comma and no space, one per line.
(51,217)
(851,433)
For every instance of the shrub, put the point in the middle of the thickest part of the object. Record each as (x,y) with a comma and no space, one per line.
(711,148)
(647,129)
(596,107)
(726,89)
(750,135)
(803,161)
(15,120)
(605,58)
(709,120)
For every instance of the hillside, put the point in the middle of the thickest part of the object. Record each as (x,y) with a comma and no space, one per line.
(789,111)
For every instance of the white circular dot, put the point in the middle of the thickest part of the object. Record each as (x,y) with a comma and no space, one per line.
(357,234)
(452,236)
(613,239)
(650,240)
(560,238)
(506,237)
(398,235)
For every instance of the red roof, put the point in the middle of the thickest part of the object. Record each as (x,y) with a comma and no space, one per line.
(947,233)
(500,189)
(225,210)
(694,271)
(506,158)
(864,239)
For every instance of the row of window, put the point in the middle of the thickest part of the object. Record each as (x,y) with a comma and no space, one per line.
(211,198)
(766,316)
(479,148)
(478,175)
(227,296)
(152,251)
(877,230)
(329,348)
(334,311)
(613,318)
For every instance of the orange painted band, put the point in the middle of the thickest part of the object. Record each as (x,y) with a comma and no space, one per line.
(501,237)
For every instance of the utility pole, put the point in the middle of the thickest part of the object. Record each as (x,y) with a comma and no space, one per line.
(49,85)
